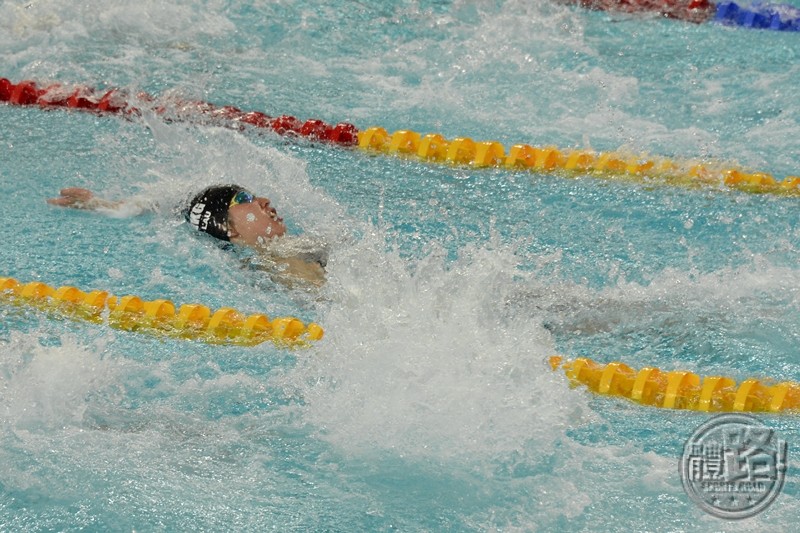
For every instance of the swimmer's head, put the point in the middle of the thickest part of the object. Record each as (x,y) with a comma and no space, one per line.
(208,210)
(231,213)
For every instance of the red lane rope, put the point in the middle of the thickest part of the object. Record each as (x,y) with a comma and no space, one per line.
(28,93)
(696,11)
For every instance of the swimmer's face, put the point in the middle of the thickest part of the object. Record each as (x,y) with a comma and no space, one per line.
(254,222)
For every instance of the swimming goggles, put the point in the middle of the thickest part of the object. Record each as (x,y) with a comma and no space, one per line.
(242,197)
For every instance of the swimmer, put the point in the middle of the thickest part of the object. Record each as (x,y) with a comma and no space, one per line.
(228,213)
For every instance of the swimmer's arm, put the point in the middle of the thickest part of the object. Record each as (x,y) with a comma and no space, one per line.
(79,198)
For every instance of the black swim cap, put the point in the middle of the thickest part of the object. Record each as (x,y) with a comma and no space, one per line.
(208,211)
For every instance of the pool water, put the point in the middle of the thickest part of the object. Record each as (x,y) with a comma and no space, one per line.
(428,405)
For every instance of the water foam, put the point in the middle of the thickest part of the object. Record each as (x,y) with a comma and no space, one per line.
(151,19)
(49,387)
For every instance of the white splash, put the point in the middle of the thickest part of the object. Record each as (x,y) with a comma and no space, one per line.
(423,358)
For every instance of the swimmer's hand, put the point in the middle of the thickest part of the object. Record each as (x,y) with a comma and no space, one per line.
(73,197)
(78,198)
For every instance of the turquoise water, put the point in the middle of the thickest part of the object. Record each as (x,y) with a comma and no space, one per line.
(428,405)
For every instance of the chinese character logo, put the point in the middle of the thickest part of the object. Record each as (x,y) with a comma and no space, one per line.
(733,466)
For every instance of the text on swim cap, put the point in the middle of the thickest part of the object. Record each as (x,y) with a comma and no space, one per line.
(194,216)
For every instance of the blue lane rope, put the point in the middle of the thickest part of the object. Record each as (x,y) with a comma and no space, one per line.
(776,17)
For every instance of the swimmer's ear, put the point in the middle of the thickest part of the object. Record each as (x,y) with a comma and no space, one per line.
(232,233)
